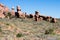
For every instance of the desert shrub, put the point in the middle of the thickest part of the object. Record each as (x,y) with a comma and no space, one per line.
(0,29)
(8,15)
(49,31)
(7,23)
(19,35)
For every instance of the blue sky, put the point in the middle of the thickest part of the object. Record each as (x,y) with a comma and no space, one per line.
(45,7)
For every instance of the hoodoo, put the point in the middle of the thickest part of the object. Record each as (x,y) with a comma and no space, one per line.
(19,14)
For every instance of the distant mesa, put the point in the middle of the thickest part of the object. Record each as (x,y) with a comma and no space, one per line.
(5,12)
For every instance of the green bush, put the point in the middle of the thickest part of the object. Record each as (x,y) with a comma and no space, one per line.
(49,31)
(9,14)
(19,35)
(7,23)
(0,29)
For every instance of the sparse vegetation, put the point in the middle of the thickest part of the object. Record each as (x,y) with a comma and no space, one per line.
(28,29)
(7,23)
(0,29)
(8,15)
(49,31)
(19,35)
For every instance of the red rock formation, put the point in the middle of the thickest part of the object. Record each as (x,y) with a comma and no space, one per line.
(31,15)
(26,15)
(41,18)
(48,18)
(54,20)
(1,11)
(19,10)
(21,14)
(6,9)
(4,12)
(36,15)
(13,11)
